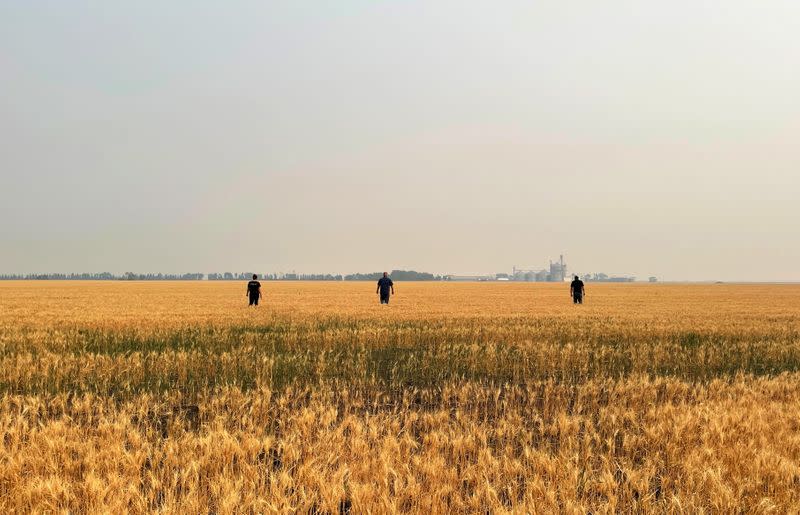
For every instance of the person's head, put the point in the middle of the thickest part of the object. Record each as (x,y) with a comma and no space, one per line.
(386,274)
(255,276)
(576,277)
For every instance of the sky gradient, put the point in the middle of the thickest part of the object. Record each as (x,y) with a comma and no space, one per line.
(450,136)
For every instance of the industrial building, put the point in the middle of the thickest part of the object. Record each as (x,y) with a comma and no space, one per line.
(556,274)
(469,278)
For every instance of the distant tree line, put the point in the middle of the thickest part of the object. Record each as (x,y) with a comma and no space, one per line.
(397,275)
(243,276)
(130,276)
(246,276)
(104,276)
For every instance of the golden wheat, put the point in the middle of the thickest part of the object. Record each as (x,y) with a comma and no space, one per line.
(457,398)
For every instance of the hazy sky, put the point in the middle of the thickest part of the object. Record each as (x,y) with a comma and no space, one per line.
(635,137)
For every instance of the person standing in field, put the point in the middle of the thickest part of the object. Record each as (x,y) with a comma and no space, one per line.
(576,290)
(385,285)
(254,290)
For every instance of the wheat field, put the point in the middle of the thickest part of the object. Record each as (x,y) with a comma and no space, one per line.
(176,397)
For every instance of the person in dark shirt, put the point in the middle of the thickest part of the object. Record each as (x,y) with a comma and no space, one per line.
(576,290)
(254,291)
(385,285)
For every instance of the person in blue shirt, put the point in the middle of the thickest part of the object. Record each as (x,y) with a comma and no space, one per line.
(385,286)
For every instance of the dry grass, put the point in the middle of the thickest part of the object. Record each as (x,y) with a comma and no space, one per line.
(177,397)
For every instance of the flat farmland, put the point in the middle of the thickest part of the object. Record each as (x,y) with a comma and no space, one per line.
(177,397)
